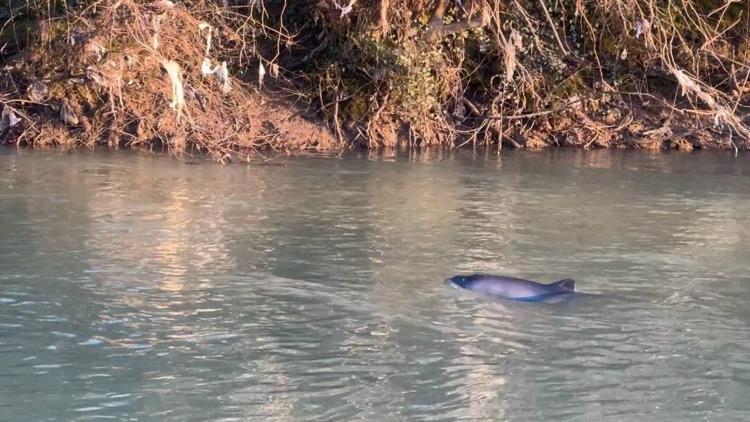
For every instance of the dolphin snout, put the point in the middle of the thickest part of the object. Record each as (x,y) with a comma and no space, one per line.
(457,281)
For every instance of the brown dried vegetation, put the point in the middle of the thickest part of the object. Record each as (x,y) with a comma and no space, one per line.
(649,74)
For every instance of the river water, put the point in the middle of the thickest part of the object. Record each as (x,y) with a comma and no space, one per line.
(141,287)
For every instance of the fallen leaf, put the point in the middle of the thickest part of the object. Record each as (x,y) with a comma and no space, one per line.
(261,73)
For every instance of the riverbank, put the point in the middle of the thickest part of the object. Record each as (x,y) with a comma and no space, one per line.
(229,80)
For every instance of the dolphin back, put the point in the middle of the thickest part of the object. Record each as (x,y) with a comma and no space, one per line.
(512,288)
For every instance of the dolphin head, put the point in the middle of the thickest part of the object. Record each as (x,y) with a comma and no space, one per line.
(462,281)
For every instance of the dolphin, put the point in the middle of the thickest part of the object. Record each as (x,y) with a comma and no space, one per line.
(499,286)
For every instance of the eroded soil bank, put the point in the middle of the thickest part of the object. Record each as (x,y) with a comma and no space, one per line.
(230,78)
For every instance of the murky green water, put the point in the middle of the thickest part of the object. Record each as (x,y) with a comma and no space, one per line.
(144,288)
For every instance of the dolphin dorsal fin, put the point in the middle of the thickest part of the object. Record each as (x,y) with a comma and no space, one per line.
(567,284)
